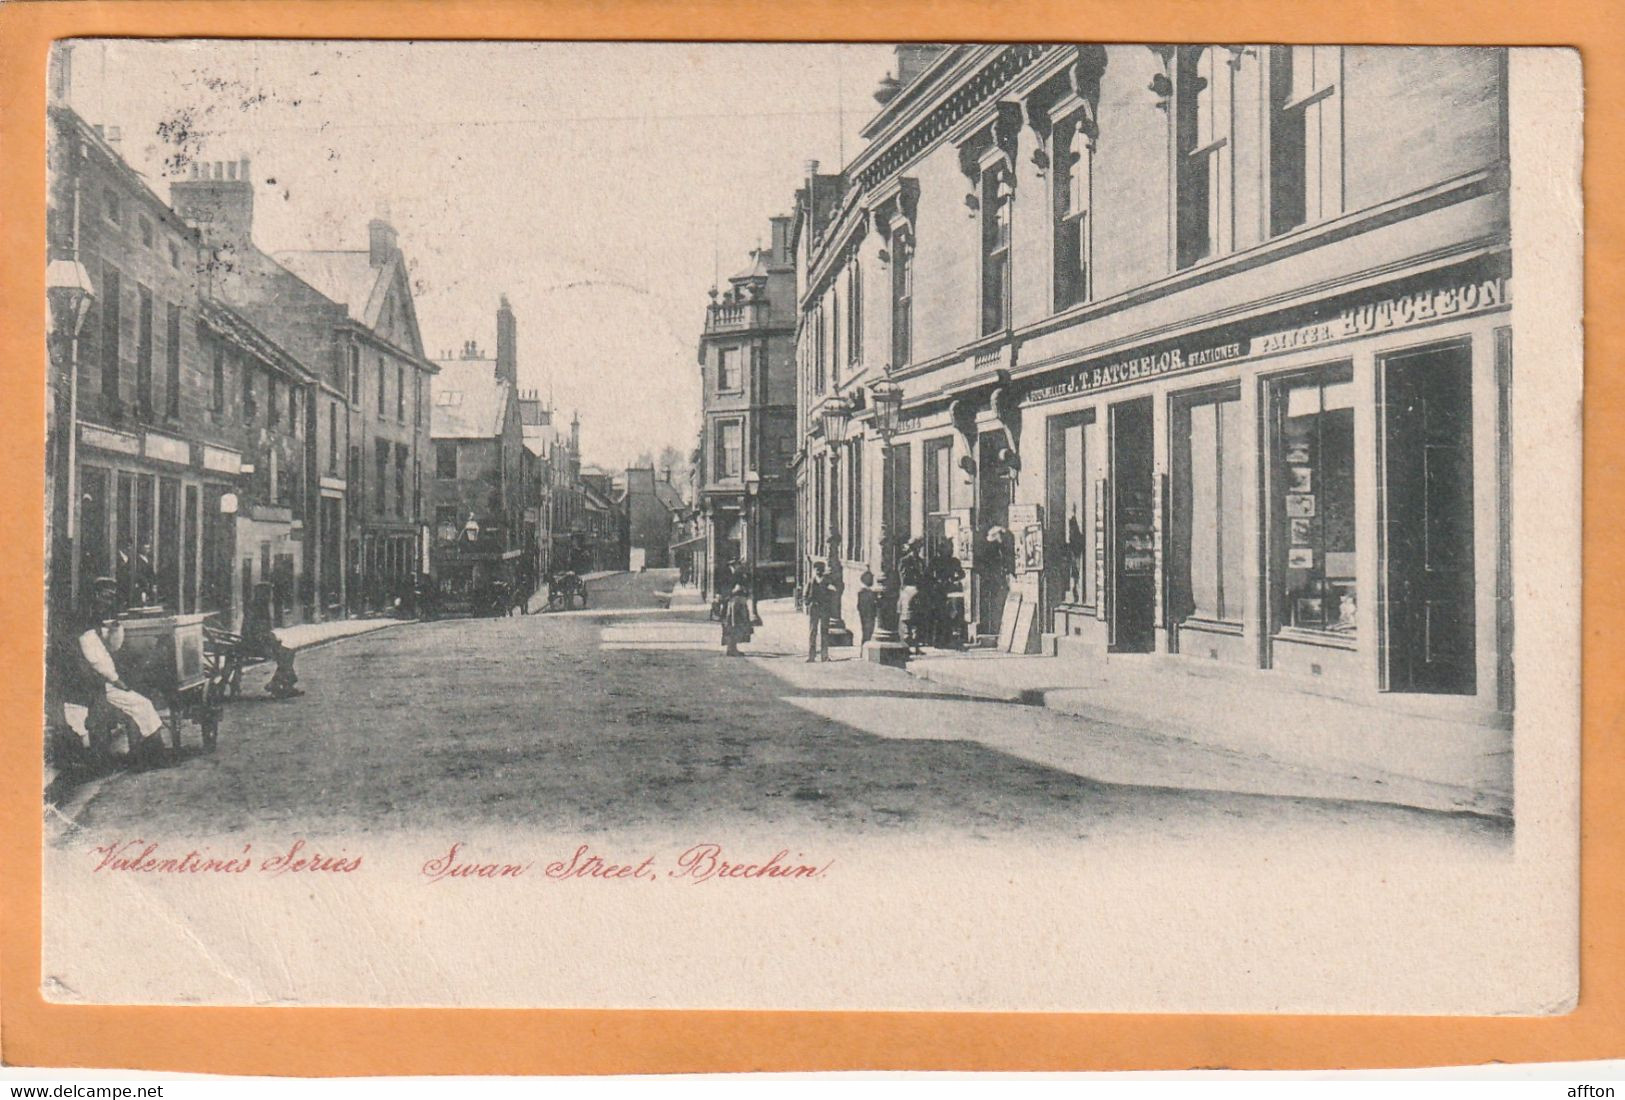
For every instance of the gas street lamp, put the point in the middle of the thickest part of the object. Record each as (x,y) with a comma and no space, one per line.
(68,294)
(887,646)
(753,542)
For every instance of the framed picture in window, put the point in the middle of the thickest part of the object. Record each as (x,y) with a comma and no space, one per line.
(1300,557)
(1300,505)
(1300,479)
(1297,453)
(1303,533)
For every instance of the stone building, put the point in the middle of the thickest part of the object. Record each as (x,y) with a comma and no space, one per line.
(747,380)
(478,488)
(378,351)
(1175,327)
(187,474)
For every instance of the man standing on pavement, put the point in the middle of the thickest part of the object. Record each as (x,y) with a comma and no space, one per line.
(818,599)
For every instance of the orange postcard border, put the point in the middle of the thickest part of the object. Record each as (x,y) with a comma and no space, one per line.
(358,1041)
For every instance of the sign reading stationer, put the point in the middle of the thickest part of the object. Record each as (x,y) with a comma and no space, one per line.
(1213,348)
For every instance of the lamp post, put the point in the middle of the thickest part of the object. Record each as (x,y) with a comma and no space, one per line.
(887,647)
(68,294)
(836,417)
(753,520)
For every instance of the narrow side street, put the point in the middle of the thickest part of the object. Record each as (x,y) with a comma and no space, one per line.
(625,716)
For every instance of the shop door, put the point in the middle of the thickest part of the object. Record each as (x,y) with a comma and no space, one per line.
(1133,565)
(1428,464)
(993,510)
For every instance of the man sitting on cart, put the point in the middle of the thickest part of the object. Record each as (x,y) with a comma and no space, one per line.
(94,684)
(259,640)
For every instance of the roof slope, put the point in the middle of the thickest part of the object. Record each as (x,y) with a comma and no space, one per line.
(344,276)
(468,400)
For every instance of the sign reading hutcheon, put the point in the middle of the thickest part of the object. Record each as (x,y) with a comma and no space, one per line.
(1437,303)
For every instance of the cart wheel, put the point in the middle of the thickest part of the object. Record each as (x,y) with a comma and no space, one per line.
(209,724)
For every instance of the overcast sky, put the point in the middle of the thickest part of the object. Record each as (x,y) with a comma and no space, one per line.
(598,185)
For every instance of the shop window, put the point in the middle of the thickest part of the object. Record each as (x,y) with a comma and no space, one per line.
(902,298)
(899,521)
(1077,463)
(937,486)
(94,534)
(1202,94)
(1207,569)
(168,548)
(1305,169)
(1071,195)
(143,350)
(995,210)
(189,552)
(1312,502)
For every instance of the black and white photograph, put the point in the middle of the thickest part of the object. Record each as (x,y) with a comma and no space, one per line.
(1027,526)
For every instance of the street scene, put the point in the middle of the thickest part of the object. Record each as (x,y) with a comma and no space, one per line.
(1083,462)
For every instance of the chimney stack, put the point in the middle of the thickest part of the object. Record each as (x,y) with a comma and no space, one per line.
(219,204)
(381,246)
(507,341)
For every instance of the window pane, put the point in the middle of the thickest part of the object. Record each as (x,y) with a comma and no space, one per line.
(1233,446)
(1314,506)
(1202,550)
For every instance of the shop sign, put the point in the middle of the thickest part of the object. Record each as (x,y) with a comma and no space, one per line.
(168,448)
(108,440)
(221,460)
(1392,313)
(1138,368)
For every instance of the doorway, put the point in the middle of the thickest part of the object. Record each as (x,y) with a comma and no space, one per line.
(1133,565)
(993,560)
(1428,520)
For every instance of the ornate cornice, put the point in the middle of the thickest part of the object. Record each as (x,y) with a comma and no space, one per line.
(986,84)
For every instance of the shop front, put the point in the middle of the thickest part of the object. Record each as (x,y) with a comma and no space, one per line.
(154,513)
(1320,493)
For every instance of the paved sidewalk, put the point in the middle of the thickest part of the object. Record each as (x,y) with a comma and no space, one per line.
(1438,761)
(306,635)
(1149,719)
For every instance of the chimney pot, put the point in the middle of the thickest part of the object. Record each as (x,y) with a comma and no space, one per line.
(812,167)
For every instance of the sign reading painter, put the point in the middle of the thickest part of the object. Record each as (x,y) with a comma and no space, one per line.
(1206,350)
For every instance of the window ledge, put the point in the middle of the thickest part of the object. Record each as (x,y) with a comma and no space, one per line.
(1211,626)
(1316,638)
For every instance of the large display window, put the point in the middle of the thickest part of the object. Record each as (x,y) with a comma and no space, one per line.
(1312,493)
(1076,465)
(1207,570)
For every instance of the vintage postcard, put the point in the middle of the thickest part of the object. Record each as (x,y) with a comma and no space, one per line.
(1069,527)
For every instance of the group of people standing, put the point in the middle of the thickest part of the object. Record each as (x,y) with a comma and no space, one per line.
(927,612)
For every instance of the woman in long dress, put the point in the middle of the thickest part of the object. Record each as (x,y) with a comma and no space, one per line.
(736,621)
